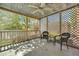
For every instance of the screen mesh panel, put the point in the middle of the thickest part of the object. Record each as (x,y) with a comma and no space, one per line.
(43,24)
(53,24)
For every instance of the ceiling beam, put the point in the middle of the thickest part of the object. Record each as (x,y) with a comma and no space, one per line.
(6,9)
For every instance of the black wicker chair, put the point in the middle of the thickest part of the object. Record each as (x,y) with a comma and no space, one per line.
(63,38)
(45,35)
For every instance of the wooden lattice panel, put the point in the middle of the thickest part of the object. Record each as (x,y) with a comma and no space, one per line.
(76,29)
(71,22)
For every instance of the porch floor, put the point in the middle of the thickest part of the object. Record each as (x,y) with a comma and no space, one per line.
(50,50)
(42,48)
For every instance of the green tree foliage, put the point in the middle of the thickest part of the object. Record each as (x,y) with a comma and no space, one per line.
(10,21)
(33,24)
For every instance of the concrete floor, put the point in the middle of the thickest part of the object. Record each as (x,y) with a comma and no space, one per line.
(50,50)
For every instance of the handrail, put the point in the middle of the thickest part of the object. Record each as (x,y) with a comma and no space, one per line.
(19,30)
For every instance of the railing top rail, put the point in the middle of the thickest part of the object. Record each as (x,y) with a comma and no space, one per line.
(10,30)
(16,30)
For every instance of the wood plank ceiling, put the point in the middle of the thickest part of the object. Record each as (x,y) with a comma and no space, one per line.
(35,10)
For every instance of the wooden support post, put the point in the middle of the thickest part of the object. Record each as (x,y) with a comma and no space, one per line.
(40,26)
(47,23)
(60,24)
(60,19)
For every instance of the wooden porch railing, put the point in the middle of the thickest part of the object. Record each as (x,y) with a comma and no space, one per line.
(12,38)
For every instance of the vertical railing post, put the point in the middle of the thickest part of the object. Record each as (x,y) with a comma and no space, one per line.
(27,23)
(0,39)
(27,18)
(1,34)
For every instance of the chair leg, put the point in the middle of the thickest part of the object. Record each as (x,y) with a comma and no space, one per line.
(54,42)
(46,38)
(61,45)
(66,44)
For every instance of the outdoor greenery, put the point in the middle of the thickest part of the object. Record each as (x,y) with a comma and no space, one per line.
(12,21)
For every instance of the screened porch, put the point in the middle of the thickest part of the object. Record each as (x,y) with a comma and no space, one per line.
(21,25)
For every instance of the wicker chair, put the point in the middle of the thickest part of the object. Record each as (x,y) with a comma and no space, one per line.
(63,38)
(45,35)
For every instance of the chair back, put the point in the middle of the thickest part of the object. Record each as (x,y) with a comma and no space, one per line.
(45,33)
(65,36)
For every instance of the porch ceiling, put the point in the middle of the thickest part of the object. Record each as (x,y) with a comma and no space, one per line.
(35,10)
